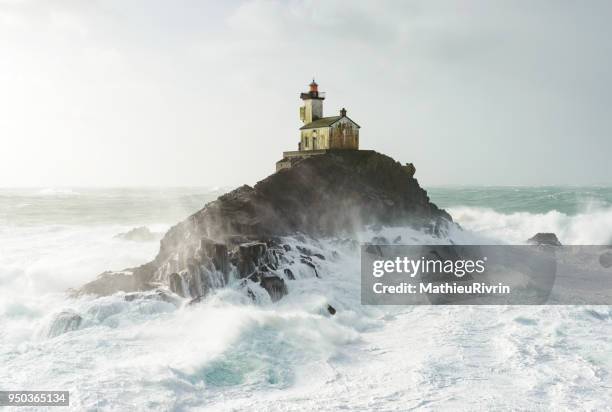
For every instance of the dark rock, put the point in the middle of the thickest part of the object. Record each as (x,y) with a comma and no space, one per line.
(397,240)
(275,287)
(304,250)
(217,252)
(410,169)
(196,300)
(549,239)
(158,294)
(374,250)
(331,310)
(379,240)
(255,277)
(108,283)
(65,321)
(289,274)
(318,255)
(130,297)
(176,284)
(138,234)
(605,259)
(248,257)
(287,248)
(353,190)
(251,295)
(194,282)
(311,265)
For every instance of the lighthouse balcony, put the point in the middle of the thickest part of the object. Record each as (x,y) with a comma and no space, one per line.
(312,95)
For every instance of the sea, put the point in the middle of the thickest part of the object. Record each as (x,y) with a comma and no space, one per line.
(232,353)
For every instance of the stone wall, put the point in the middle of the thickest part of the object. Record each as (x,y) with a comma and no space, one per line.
(344,135)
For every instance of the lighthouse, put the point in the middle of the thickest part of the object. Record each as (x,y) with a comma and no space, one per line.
(313,103)
(320,134)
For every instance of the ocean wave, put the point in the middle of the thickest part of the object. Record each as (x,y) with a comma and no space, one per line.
(591,226)
(231,352)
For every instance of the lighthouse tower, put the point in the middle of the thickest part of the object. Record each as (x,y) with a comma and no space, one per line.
(313,104)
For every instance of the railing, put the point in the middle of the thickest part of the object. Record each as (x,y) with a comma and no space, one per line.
(312,95)
(304,153)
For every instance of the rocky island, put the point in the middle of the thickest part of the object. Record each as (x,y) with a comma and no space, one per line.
(240,235)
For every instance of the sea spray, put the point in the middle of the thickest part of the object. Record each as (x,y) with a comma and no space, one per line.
(231,352)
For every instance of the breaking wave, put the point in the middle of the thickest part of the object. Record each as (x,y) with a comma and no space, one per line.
(590,226)
(229,352)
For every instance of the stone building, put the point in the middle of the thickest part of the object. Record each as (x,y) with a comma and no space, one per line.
(320,134)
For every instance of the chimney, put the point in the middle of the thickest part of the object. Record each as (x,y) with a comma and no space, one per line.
(343,112)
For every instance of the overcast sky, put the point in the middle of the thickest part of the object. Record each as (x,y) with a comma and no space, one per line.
(184,93)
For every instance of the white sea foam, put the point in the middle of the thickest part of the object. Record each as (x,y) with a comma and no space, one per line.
(229,352)
(592,226)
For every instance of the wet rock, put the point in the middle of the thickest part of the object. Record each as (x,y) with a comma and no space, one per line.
(308,262)
(397,240)
(255,277)
(159,294)
(65,321)
(176,284)
(217,252)
(196,300)
(289,274)
(379,240)
(108,283)
(304,250)
(249,256)
(287,248)
(252,257)
(549,239)
(308,253)
(331,310)
(354,190)
(194,283)
(275,287)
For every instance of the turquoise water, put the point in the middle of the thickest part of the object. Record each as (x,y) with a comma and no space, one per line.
(508,199)
(136,206)
(87,206)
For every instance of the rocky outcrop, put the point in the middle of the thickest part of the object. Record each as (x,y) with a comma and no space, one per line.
(138,234)
(110,282)
(549,239)
(63,322)
(157,294)
(275,286)
(335,194)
